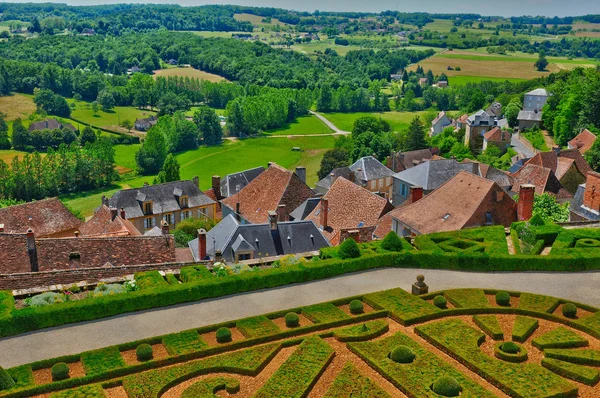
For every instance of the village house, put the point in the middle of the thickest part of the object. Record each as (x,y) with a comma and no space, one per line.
(371,174)
(400,161)
(51,124)
(495,109)
(48,217)
(461,122)
(439,124)
(585,206)
(107,222)
(323,185)
(145,124)
(235,182)
(542,179)
(172,202)
(583,141)
(498,137)
(477,125)
(533,103)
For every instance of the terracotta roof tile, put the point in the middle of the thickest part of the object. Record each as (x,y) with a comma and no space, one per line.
(102,225)
(583,142)
(542,178)
(46,217)
(497,135)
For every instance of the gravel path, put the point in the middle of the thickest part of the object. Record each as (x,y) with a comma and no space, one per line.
(330,125)
(72,339)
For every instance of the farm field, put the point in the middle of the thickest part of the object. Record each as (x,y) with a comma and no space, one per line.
(110,120)
(188,72)
(398,120)
(305,125)
(258,20)
(17,106)
(393,344)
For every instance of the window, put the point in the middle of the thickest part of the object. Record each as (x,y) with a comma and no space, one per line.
(168,218)
(183,201)
(149,222)
(488,219)
(202,212)
(244,256)
(403,190)
(147,207)
(185,214)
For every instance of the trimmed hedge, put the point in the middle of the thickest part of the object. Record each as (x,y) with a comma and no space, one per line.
(560,337)
(362,332)
(510,352)
(171,279)
(523,328)
(348,249)
(402,354)
(144,352)
(571,371)
(195,273)
(392,242)
(149,280)
(467,298)
(60,371)
(440,302)
(581,357)
(292,320)
(351,383)
(569,310)
(538,303)
(257,326)
(490,325)
(446,387)
(6,381)
(402,305)
(89,391)
(325,312)
(356,307)
(184,342)
(101,361)
(207,387)
(503,299)
(223,335)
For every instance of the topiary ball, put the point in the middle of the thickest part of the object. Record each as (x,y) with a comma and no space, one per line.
(223,335)
(144,352)
(392,242)
(440,302)
(356,307)
(402,354)
(60,371)
(348,249)
(510,348)
(447,387)
(569,310)
(503,299)
(292,320)
(6,381)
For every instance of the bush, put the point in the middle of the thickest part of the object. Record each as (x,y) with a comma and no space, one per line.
(348,249)
(106,290)
(447,387)
(223,335)
(510,348)
(60,371)
(292,320)
(392,242)
(503,299)
(402,354)
(47,298)
(144,352)
(440,302)
(6,381)
(356,307)
(569,310)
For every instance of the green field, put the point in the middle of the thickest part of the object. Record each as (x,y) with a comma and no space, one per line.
(398,120)
(305,125)
(462,80)
(110,120)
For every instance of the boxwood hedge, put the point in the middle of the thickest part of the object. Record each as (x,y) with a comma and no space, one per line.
(572,371)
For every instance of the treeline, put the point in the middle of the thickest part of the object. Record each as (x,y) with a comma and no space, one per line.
(67,170)
(344,99)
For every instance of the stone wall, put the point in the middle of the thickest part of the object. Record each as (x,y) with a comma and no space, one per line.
(13,254)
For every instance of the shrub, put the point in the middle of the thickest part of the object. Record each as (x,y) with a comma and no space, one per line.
(446,386)
(356,307)
(510,348)
(440,302)
(292,320)
(144,352)
(348,249)
(402,354)
(392,242)
(569,310)
(223,335)
(6,381)
(60,371)
(503,299)
(107,290)
(46,299)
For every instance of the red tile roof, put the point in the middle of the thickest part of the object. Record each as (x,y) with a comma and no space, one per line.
(102,225)
(583,142)
(497,135)
(542,178)
(46,217)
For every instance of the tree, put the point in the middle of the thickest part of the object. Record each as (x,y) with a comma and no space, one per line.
(512,113)
(169,171)
(547,207)
(208,124)
(416,135)
(87,135)
(95,108)
(151,155)
(541,63)
(20,136)
(370,123)
(170,103)
(106,100)
(332,159)
(4,141)
(127,125)
(592,156)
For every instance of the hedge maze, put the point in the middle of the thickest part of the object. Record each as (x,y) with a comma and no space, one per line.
(403,346)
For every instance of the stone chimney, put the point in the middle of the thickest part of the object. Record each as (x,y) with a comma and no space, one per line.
(113,213)
(273,220)
(165,227)
(1,228)
(416,193)
(269,164)
(525,205)
(201,244)
(77,234)
(351,177)
(238,216)
(591,196)
(281,213)
(196,181)
(324,211)
(301,173)
(32,251)
(216,186)
(123,214)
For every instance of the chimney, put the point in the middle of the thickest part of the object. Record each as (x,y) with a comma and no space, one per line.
(32,250)
(332,178)
(525,204)
(269,164)
(273,220)
(237,212)
(351,177)
(218,255)
(123,213)
(216,186)
(104,200)
(416,193)
(77,234)
(324,211)
(113,213)
(301,173)
(201,244)
(196,181)
(354,234)
(281,214)
(591,196)
(165,228)
(1,228)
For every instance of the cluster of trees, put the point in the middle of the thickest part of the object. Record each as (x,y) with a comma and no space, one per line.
(66,170)
(42,140)
(54,104)
(345,99)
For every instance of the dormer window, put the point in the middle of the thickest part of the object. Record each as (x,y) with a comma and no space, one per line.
(147,206)
(183,201)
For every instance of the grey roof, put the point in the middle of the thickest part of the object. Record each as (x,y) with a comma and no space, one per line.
(432,174)
(162,196)
(530,116)
(499,177)
(233,183)
(538,91)
(371,169)
(289,238)
(155,231)
(503,123)
(50,124)
(302,211)
(325,183)
(481,118)
(578,208)
(517,166)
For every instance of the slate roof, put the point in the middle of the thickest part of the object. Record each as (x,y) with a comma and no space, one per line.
(583,142)
(481,118)
(102,225)
(324,184)
(531,116)
(302,211)
(289,238)
(371,169)
(412,158)
(235,182)
(46,217)
(50,124)
(497,135)
(587,193)
(538,91)
(439,117)
(163,197)
(431,175)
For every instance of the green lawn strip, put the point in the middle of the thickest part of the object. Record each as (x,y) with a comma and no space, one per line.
(490,325)
(462,342)
(300,371)
(351,383)
(523,328)
(89,391)
(582,357)
(257,326)
(184,342)
(208,387)
(149,279)
(245,362)
(101,361)
(467,298)
(323,313)
(538,303)
(403,306)
(304,125)
(560,337)
(572,371)
(416,378)
(363,331)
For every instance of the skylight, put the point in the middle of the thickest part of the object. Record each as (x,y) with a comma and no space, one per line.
(447,216)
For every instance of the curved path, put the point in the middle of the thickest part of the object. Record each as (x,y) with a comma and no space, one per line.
(330,125)
(72,339)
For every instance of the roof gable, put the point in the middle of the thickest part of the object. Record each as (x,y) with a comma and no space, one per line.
(583,141)
(370,169)
(46,217)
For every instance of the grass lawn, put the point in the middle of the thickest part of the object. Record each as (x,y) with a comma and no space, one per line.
(305,125)
(257,20)
(537,140)
(17,106)
(189,72)
(109,120)
(462,80)
(7,155)
(398,120)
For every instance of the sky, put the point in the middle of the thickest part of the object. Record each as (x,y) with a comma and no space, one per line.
(501,7)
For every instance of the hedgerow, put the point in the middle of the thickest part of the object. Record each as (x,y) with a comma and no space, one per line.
(89,391)
(184,342)
(300,371)
(195,273)
(361,332)
(323,313)
(572,371)
(523,328)
(402,305)
(351,383)
(207,387)
(257,326)
(582,357)
(101,361)
(6,381)
(560,337)
(510,352)
(490,325)
(149,280)
(538,303)
(467,298)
